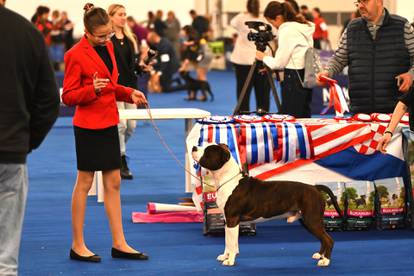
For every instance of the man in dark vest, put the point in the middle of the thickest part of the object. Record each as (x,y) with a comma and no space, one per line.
(379,50)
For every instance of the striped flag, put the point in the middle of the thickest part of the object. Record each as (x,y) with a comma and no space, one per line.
(273,148)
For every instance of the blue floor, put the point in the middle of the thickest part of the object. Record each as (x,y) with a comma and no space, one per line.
(178,249)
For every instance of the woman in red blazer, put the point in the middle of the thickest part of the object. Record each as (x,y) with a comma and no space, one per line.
(90,84)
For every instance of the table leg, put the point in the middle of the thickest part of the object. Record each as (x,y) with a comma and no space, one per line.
(97,187)
(188,186)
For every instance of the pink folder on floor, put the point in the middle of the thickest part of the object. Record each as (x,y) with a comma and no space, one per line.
(167,213)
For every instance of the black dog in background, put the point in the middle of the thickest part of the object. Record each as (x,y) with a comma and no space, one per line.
(193,86)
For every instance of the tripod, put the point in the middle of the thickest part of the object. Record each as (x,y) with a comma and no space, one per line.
(247,83)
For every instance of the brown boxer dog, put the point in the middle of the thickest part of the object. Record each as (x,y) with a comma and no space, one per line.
(243,198)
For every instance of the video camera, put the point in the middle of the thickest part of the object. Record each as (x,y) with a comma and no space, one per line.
(262,35)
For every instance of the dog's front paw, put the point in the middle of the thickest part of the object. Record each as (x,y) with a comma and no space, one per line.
(324,262)
(228,262)
(222,257)
(316,256)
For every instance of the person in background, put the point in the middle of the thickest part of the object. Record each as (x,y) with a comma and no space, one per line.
(354,14)
(43,24)
(57,47)
(139,31)
(172,33)
(150,20)
(379,49)
(200,23)
(294,5)
(197,54)
(404,103)
(127,60)
(67,30)
(304,10)
(55,34)
(159,24)
(321,29)
(243,56)
(91,84)
(29,107)
(166,64)
(295,37)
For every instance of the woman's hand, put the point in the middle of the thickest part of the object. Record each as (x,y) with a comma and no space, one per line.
(138,98)
(383,142)
(99,83)
(260,55)
(146,67)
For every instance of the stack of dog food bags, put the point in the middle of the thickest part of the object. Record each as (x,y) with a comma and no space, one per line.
(359,205)
(390,203)
(213,218)
(332,220)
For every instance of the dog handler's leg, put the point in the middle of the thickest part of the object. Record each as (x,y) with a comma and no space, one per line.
(232,244)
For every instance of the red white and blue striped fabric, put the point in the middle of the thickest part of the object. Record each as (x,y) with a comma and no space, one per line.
(273,148)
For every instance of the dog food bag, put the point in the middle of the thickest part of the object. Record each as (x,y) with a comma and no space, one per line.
(213,218)
(332,220)
(359,205)
(390,209)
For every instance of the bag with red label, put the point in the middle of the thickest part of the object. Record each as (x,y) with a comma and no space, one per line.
(359,205)
(332,220)
(213,217)
(390,207)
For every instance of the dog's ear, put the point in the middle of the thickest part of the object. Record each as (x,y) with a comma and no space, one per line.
(224,146)
(226,156)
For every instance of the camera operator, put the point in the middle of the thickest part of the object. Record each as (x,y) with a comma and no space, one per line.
(294,38)
(243,57)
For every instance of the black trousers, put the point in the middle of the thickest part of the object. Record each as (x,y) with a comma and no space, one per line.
(261,88)
(296,100)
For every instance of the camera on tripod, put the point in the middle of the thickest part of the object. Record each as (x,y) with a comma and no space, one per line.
(262,35)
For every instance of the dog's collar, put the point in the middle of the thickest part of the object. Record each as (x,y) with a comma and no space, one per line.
(227,181)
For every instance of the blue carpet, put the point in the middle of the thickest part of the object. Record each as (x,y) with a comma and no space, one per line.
(178,249)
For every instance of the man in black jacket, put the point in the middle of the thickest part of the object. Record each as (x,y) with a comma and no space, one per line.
(29,106)
(379,49)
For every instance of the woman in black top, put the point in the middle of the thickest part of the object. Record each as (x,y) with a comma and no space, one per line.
(126,53)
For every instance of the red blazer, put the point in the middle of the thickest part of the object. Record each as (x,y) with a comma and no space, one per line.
(319,33)
(92,111)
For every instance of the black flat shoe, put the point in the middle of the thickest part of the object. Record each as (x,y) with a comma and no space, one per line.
(131,256)
(75,256)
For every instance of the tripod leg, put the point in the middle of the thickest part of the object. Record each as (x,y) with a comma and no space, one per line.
(244,89)
(274,91)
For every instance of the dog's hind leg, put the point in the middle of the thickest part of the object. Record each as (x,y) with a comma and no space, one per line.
(318,230)
(317,255)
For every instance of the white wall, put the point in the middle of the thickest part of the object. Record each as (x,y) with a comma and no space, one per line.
(325,5)
(136,8)
(405,8)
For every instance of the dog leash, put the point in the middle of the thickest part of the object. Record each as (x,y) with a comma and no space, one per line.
(167,147)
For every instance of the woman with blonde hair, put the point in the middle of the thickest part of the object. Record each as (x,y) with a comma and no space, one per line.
(127,59)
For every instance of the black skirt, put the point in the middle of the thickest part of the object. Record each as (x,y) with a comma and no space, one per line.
(97,149)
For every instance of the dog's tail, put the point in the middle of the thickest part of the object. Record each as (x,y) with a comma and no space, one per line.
(325,189)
